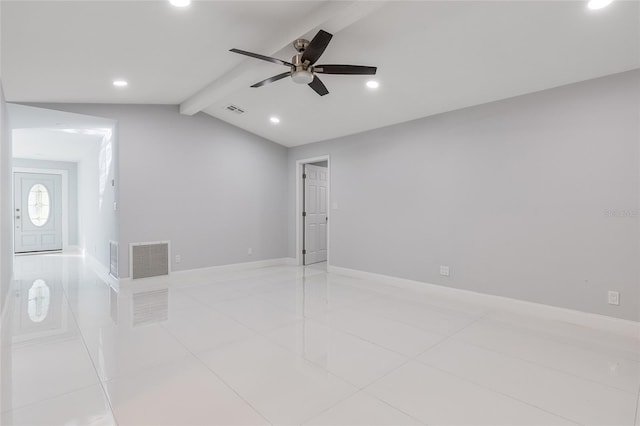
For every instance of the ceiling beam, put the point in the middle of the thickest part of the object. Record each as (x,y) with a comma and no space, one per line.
(332,16)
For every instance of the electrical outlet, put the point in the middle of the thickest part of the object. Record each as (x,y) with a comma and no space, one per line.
(613,298)
(249,251)
(444,270)
(178,258)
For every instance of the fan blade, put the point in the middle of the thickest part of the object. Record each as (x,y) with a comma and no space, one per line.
(345,69)
(264,58)
(318,86)
(316,47)
(272,79)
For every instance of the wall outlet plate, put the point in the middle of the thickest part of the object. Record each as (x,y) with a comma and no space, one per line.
(249,251)
(178,258)
(444,270)
(613,298)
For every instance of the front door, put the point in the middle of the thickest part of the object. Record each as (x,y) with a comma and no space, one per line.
(315,219)
(38,212)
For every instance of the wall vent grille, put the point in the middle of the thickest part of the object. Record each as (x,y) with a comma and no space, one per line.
(149,259)
(113,259)
(235,109)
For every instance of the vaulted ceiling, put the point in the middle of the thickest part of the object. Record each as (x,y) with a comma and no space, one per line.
(432,56)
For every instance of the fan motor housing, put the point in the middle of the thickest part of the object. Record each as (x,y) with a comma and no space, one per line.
(301,72)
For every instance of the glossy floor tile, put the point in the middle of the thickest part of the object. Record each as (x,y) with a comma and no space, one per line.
(181,392)
(574,398)
(605,366)
(389,334)
(256,313)
(435,397)
(46,370)
(202,328)
(363,409)
(313,296)
(119,350)
(285,388)
(435,319)
(349,357)
(294,345)
(88,406)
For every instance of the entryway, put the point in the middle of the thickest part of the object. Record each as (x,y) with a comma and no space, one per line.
(65,186)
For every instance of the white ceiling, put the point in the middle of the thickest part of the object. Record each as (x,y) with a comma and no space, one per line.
(432,56)
(50,144)
(28,117)
(43,134)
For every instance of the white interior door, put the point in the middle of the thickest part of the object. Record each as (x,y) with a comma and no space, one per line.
(315,214)
(38,212)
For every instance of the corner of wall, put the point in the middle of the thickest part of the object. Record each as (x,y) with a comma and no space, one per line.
(6,227)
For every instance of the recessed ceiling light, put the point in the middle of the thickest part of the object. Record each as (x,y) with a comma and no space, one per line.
(180,3)
(120,83)
(274,120)
(598,4)
(372,84)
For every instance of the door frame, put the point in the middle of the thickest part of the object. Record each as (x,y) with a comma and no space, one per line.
(65,199)
(299,205)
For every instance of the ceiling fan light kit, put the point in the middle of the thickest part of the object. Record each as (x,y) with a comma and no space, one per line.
(302,76)
(302,66)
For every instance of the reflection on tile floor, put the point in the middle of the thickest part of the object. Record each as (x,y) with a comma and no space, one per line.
(294,345)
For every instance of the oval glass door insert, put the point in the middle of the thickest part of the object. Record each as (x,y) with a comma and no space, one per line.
(39,208)
(39,299)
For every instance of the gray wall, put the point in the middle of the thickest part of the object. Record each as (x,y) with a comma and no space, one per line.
(98,222)
(212,189)
(534,197)
(6,222)
(72,173)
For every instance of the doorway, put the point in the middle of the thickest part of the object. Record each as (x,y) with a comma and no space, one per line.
(38,212)
(313,210)
(82,151)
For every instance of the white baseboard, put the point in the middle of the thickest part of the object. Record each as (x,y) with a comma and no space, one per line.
(290,261)
(283,261)
(585,319)
(102,271)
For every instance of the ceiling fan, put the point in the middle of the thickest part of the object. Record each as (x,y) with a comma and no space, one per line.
(303,69)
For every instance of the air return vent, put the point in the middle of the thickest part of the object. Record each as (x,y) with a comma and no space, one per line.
(149,259)
(113,259)
(234,109)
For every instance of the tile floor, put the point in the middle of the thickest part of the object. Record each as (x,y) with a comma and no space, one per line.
(289,345)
